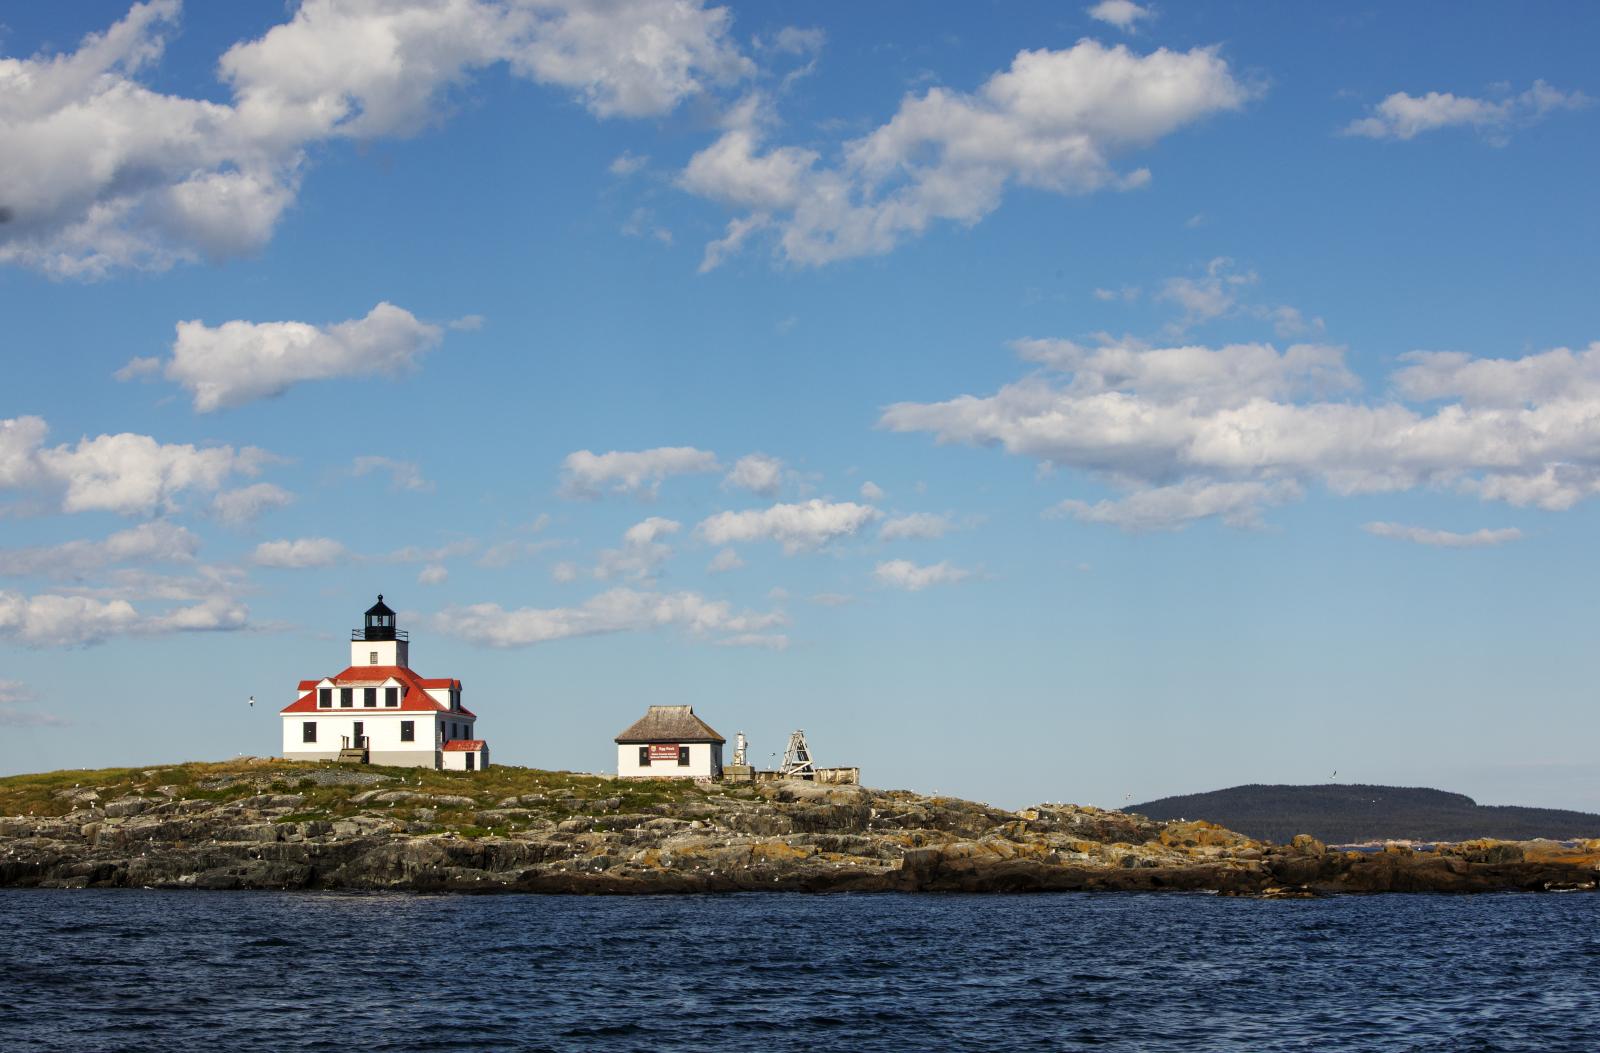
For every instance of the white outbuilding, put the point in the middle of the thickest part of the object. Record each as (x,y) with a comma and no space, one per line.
(379,711)
(669,742)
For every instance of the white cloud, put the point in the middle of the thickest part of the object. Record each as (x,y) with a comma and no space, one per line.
(564,572)
(50,620)
(1188,420)
(904,574)
(299,553)
(587,474)
(126,473)
(1120,13)
(403,475)
(1222,376)
(794,526)
(101,171)
(247,503)
(434,554)
(614,611)
(831,599)
(725,560)
(239,362)
(1175,507)
(1443,538)
(871,491)
(1208,297)
(154,542)
(1404,116)
(1054,121)
(642,551)
(757,473)
(915,525)
(627,163)
(433,574)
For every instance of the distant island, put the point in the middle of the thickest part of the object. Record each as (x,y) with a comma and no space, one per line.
(1356,813)
(259,823)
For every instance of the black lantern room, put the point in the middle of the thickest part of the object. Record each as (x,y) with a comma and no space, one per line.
(380,621)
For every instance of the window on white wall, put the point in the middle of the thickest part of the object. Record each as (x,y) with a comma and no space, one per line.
(372,657)
(308,731)
(644,756)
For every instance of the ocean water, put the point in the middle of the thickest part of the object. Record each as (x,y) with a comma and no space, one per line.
(175,971)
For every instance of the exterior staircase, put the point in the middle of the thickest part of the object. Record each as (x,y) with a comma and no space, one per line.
(356,754)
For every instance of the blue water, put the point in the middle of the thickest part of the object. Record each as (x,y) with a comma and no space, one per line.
(175,971)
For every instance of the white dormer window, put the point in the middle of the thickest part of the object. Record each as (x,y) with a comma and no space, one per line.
(372,657)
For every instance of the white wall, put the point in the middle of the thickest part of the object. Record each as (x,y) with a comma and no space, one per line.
(705,762)
(381,728)
(456,760)
(390,652)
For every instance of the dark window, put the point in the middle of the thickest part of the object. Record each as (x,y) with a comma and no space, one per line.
(408,731)
(358,735)
(683,756)
(472,762)
(308,731)
(644,756)
(325,697)
(369,697)
(372,657)
(347,697)
(391,696)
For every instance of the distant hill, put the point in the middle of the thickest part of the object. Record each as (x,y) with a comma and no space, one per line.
(1347,814)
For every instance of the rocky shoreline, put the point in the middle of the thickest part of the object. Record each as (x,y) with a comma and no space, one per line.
(265,824)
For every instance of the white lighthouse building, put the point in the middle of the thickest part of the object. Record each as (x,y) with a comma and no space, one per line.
(378,711)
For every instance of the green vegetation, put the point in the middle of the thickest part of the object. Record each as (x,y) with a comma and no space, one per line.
(424,800)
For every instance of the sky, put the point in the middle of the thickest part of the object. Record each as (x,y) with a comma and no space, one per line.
(1032,402)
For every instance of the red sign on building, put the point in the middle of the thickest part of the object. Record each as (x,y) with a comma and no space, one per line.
(660,752)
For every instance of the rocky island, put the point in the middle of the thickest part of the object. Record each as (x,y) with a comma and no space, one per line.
(273,824)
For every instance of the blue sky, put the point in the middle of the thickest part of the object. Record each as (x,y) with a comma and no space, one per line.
(1032,402)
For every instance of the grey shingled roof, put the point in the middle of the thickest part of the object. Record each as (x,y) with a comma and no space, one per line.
(669,724)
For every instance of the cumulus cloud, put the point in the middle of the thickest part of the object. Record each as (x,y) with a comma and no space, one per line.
(125,473)
(1443,538)
(1404,116)
(239,362)
(587,474)
(725,560)
(757,473)
(1175,507)
(642,551)
(101,171)
(915,525)
(1053,121)
(614,611)
(871,491)
(797,527)
(1212,428)
(247,503)
(299,553)
(433,574)
(904,574)
(50,620)
(1120,13)
(154,542)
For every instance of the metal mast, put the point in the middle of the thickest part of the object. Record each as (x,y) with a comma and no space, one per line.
(797,759)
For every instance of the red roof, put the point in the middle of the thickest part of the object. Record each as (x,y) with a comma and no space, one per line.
(464,745)
(413,696)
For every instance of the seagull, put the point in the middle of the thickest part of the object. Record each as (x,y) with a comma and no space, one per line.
(1335,774)
(252,701)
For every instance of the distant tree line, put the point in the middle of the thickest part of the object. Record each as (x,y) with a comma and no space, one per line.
(1349,814)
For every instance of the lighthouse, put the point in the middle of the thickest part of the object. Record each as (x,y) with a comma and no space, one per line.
(379,711)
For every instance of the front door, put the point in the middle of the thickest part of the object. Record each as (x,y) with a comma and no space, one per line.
(472,762)
(360,730)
